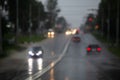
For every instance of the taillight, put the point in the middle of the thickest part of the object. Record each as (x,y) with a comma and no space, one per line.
(88,49)
(98,49)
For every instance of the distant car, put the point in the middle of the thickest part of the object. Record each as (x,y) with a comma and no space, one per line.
(68,32)
(76,38)
(51,33)
(93,48)
(35,52)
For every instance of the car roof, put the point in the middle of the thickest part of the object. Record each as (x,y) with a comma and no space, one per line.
(36,48)
(50,30)
(93,45)
(76,35)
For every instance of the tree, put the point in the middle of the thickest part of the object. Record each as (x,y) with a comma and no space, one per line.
(108,10)
(53,10)
(51,5)
(91,21)
(1,50)
(61,24)
(37,13)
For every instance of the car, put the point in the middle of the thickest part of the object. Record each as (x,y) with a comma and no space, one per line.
(77,31)
(36,52)
(68,32)
(93,48)
(51,33)
(76,38)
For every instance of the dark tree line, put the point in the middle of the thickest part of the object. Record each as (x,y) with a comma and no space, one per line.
(107,18)
(61,24)
(29,14)
(27,9)
(24,15)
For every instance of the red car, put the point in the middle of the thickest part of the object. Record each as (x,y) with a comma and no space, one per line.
(76,38)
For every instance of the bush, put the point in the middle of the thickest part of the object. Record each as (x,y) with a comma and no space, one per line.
(32,38)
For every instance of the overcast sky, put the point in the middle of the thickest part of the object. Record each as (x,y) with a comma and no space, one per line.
(75,10)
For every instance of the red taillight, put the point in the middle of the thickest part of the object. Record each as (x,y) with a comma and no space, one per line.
(88,49)
(99,49)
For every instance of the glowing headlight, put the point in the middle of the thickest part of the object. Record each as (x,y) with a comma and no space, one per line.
(52,33)
(70,32)
(31,53)
(39,53)
(66,33)
(48,33)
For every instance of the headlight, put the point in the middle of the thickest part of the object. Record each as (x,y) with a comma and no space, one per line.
(39,53)
(68,33)
(52,33)
(48,33)
(31,53)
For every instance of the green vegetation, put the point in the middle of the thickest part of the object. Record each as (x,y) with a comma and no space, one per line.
(100,37)
(32,38)
(103,39)
(7,47)
(114,49)
(29,14)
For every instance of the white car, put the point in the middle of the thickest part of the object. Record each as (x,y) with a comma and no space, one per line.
(35,52)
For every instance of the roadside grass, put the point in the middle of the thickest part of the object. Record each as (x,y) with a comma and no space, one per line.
(115,50)
(32,38)
(103,39)
(7,47)
(112,48)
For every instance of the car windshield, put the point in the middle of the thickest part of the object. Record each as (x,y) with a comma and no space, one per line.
(59,39)
(36,48)
(93,46)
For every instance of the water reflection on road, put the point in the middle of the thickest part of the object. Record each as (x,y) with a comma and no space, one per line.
(52,71)
(30,65)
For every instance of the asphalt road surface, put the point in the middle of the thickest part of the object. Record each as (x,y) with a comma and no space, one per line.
(63,60)
(19,67)
(77,65)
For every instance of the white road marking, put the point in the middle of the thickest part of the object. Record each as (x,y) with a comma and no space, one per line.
(40,73)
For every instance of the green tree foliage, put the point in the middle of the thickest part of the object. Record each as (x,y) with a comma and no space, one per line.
(90,20)
(61,24)
(51,5)
(37,13)
(61,20)
(52,10)
(108,10)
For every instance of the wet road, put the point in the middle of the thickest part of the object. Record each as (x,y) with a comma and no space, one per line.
(63,60)
(20,67)
(76,65)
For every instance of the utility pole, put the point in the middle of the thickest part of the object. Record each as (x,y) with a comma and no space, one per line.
(1,49)
(108,21)
(30,21)
(17,21)
(39,2)
(102,22)
(117,22)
